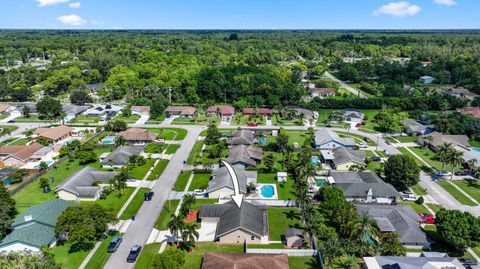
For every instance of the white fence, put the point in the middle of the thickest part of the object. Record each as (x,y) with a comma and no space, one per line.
(289,252)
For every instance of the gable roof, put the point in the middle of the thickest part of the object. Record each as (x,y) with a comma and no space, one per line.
(245,154)
(138,134)
(231,260)
(249,217)
(258,111)
(474,111)
(460,91)
(46,213)
(121,155)
(224,109)
(21,152)
(324,136)
(140,109)
(358,184)
(456,140)
(70,108)
(353,114)
(184,110)
(241,137)
(4,107)
(221,178)
(342,155)
(414,126)
(54,133)
(387,262)
(294,232)
(402,220)
(81,182)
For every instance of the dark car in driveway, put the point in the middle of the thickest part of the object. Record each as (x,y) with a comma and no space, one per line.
(114,244)
(133,254)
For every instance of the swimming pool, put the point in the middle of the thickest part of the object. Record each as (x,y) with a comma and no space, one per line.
(321,182)
(262,141)
(108,140)
(315,160)
(476,149)
(47,162)
(267,191)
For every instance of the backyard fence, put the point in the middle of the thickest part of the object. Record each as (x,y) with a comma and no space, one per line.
(289,252)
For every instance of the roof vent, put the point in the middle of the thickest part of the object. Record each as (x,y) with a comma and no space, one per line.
(28,217)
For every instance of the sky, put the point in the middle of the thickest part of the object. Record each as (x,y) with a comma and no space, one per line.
(239,14)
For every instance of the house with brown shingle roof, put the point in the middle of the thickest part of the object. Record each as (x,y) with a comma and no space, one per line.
(138,136)
(459,142)
(232,260)
(4,108)
(460,93)
(19,155)
(182,111)
(257,111)
(54,134)
(474,111)
(221,110)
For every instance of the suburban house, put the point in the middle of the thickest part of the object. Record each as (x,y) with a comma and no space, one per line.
(416,128)
(342,159)
(402,220)
(294,238)
(307,113)
(221,185)
(35,228)
(236,225)
(138,136)
(401,262)
(459,142)
(427,79)
(182,111)
(365,187)
(231,260)
(20,106)
(461,93)
(54,134)
(326,139)
(108,111)
(221,111)
(244,155)
(4,109)
(84,184)
(120,156)
(471,158)
(19,155)
(353,116)
(241,137)
(322,92)
(474,111)
(248,111)
(141,110)
(71,111)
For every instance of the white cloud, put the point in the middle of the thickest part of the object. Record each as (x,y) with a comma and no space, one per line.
(96,22)
(446,2)
(397,9)
(71,20)
(75,5)
(44,3)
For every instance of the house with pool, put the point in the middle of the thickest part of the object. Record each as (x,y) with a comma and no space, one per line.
(326,139)
(342,159)
(244,155)
(120,156)
(221,185)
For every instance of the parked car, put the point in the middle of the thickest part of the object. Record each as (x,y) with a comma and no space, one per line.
(133,254)
(252,124)
(362,145)
(427,218)
(199,192)
(376,159)
(461,173)
(408,196)
(468,261)
(148,196)
(11,121)
(388,142)
(358,124)
(114,244)
(328,126)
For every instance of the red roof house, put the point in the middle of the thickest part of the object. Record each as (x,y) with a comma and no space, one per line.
(224,110)
(258,111)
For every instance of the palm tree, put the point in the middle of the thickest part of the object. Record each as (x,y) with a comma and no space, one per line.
(330,250)
(348,262)
(455,158)
(189,200)
(443,153)
(175,225)
(190,234)
(120,141)
(366,226)
(427,140)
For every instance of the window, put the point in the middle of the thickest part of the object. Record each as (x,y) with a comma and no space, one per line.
(252,237)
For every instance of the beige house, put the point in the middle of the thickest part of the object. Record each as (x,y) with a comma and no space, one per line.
(19,155)
(342,159)
(138,136)
(55,134)
(236,225)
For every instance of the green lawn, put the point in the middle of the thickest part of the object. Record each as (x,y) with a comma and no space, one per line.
(132,119)
(474,143)
(207,158)
(199,181)
(267,246)
(182,181)
(407,139)
(68,260)
(299,262)
(278,162)
(456,193)
(32,118)
(279,219)
(85,119)
(201,119)
(113,202)
(197,147)
(418,208)
(193,260)
(435,207)
(145,259)
(429,156)
(101,256)
(201,201)
(169,133)
(285,189)
(358,138)
(158,169)
(419,190)
(135,204)
(21,141)
(240,119)
(155,148)
(156,120)
(172,148)
(139,172)
(470,187)
(164,218)
(420,164)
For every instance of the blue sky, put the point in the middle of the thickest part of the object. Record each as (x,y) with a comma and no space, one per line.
(240,14)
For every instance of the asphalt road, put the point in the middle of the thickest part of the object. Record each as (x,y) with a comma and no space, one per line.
(346,86)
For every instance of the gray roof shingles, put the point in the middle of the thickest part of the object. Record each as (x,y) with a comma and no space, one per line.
(324,136)
(221,178)
(121,155)
(244,154)
(357,184)
(81,182)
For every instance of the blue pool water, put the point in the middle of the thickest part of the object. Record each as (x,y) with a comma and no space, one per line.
(47,162)
(315,160)
(476,149)
(108,140)
(267,191)
(262,141)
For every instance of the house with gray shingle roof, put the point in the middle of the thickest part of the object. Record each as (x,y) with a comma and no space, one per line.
(245,155)
(416,128)
(241,137)
(365,187)
(402,220)
(35,227)
(121,156)
(459,142)
(236,225)
(328,139)
(85,184)
(342,159)
(221,185)
(397,262)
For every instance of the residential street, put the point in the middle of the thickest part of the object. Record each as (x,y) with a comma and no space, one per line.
(346,86)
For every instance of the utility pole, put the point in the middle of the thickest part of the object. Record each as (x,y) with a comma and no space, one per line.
(170,95)
(225,96)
